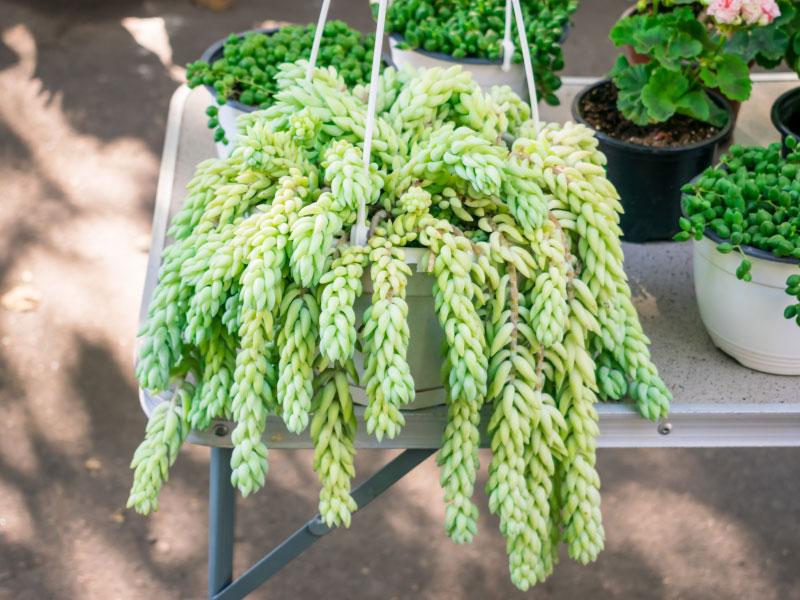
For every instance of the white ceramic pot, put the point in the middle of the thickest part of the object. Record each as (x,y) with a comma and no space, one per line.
(745,319)
(227,115)
(425,335)
(485,72)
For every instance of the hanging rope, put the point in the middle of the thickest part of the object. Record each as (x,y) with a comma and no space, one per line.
(312,60)
(358,235)
(508,43)
(526,57)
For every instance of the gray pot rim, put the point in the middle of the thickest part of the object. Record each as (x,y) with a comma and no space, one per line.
(663,151)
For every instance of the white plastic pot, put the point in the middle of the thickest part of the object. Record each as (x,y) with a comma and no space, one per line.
(485,72)
(227,115)
(425,335)
(745,319)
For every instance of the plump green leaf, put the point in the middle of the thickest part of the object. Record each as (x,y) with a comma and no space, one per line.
(709,77)
(630,82)
(625,30)
(717,116)
(696,104)
(696,31)
(733,78)
(741,44)
(620,65)
(652,39)
(662,93)
(683,46)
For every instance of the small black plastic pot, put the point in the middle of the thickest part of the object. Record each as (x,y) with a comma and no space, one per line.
(785,116)
(649,179)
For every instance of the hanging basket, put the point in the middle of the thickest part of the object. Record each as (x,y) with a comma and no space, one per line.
(425,335)
(485,72)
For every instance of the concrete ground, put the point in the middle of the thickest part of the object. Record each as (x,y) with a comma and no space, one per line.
(84,87)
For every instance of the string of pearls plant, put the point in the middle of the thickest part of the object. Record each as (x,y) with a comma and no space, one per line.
(254,313)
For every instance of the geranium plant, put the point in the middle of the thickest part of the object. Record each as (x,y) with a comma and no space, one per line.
(689,52)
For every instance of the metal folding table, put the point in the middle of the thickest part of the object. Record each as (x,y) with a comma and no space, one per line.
(718,403)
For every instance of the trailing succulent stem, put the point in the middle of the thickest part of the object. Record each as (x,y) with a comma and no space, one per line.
(258,300)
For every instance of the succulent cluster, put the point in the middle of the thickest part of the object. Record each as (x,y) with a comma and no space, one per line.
(256,303)
(246,70)
(463,28)
(751,199)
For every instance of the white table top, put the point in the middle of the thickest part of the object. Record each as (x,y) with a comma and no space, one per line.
(717,402)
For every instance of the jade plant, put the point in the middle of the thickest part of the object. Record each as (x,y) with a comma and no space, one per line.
(752,198)
(254,314)
(689,51)
(246,71)
(464,28)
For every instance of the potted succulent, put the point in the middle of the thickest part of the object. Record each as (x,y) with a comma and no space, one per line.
(429,33)
(744,217)
(658,122)
(257,300)
(239,70)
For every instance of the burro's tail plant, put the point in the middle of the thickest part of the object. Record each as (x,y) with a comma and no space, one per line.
(690,50)
(255,312)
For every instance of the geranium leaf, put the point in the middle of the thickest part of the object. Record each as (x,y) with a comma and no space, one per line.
(630,79)
(695,104)
(684,46)
(625,30)
(662,92)
(709,77)
(733,77)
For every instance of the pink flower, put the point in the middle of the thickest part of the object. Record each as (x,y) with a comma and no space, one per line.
(751,11)
(769,12)
(726,11)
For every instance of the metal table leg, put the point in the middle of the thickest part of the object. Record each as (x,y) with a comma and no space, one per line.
(220,525)
(302,539)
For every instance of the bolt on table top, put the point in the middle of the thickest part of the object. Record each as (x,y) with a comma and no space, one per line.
(717,401)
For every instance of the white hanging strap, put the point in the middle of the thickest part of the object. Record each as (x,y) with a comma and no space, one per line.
(526,57)
(358,235)
(312,60)
(508,43)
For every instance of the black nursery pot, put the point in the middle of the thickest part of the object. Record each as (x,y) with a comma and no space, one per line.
(785,115)
(649,179)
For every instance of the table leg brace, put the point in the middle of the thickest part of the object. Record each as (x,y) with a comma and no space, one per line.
(220,563)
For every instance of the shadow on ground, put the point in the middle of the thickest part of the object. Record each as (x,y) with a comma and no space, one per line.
(699,524)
